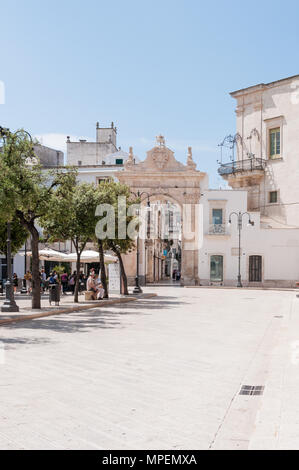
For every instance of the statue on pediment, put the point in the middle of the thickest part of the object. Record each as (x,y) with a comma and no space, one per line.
(130,161)
(160,140)
(190,163)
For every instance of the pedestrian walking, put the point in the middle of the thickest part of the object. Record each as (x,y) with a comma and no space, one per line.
(64,282)
(28,278)
(72,281)
(15,282)
(43,280)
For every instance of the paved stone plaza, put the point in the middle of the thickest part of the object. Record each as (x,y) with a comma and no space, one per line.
(159,373)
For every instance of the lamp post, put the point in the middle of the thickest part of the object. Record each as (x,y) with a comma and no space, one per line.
(239,216)
(137,288)
(24,288)
(9,304)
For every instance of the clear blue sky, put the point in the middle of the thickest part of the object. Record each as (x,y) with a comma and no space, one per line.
(151,67)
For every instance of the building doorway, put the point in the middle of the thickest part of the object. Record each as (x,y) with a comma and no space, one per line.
(216,268)
(255,268)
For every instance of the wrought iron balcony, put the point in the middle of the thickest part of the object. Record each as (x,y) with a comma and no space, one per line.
(217,229)
(238,166)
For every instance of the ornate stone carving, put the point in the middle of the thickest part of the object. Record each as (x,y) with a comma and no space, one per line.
(160,157)
(192,198)
(158,190)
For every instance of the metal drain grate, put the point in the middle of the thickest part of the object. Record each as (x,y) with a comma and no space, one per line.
(252,390)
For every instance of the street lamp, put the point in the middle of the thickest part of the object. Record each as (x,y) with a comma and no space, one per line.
(24,288)
(239,216)
(9,304)
(137,288)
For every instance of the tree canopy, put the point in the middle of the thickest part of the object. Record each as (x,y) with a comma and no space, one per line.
(118,196)
(18,236)
(27,192)
(72,218)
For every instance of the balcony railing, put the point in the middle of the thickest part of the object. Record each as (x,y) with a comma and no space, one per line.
(238,166)
(217,229)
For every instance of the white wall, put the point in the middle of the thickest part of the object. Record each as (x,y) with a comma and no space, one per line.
(89,153)
(278,247)
(18,265)
(91,175)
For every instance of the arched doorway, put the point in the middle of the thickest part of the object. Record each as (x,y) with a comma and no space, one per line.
(162,178)
(163,242)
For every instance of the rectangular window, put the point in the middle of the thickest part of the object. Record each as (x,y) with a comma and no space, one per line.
(273,197)
(217,216)
(119,161)
(102,180)
(274,135)
(255,268)
(170,221)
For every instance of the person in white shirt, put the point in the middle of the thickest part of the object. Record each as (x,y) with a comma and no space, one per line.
(99,287)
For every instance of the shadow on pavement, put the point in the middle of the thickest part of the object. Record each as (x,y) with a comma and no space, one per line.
(85,321)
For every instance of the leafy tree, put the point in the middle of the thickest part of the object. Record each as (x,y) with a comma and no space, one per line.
(73,218)
(28,193)
(19,236)
(117,239)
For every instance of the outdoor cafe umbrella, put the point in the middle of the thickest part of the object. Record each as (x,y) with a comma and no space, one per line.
(47,254)
(90,256)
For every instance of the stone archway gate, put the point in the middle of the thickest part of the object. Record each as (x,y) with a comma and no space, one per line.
(160,174)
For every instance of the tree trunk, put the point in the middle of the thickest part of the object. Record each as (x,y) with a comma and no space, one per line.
(76,293)
(36,304)
(103,270)
(122,270)
(36,291)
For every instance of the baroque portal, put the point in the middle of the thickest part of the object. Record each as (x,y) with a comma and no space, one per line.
(165,182)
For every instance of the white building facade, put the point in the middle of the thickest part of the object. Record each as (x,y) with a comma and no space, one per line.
(267,144)
(100,160)
(269,257)
(265,182)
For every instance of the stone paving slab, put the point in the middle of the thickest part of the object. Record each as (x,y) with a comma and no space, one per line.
(158,373)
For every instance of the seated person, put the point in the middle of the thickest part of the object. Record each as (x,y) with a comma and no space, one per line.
(95,287)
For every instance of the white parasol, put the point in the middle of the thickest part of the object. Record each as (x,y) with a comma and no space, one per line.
(47,254)
(90,256)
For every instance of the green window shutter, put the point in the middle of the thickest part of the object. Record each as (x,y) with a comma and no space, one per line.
(274,143)
(273,197)
(217,216)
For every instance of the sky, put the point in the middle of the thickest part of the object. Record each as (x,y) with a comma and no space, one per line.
(152,67)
